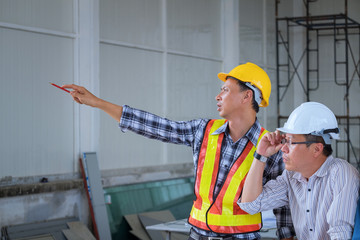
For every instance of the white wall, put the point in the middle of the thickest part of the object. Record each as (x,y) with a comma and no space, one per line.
(36,123)
(158,55)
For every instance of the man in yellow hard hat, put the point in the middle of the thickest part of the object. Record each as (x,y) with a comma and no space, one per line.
(222,152)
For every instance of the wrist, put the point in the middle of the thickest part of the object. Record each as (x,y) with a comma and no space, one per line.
(260,157)
(100,103)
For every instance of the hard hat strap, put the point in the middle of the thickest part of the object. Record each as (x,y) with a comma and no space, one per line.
(325,134)
(333,130)
(257,93)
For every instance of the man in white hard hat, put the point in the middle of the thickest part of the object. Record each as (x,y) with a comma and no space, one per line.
(222,152)
(321,190)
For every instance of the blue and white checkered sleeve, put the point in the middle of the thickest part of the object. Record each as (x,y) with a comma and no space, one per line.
(155,127)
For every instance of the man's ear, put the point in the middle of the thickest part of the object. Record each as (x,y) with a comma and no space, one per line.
(248,95)
(318,149)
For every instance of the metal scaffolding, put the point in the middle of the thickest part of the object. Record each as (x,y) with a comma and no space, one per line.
(340,28)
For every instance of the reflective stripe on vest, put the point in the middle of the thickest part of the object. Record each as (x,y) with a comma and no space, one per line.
(222,215)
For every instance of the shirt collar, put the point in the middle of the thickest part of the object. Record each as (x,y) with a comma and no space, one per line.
(252,134)
(298,176)
(323,170)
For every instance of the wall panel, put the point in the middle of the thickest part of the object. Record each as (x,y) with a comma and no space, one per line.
(194,26)
(48,14)
(133,77)
(131,21)
(37,119)
(193,85)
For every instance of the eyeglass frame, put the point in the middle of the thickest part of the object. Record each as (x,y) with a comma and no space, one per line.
(290,142)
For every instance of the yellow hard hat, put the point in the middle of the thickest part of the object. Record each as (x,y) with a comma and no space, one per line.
(253,74)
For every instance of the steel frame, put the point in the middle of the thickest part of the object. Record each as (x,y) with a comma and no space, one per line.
(341,27)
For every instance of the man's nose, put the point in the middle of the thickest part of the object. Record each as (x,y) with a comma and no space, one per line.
(285,148)
(217,97)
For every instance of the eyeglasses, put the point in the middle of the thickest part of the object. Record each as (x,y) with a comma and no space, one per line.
(289,142)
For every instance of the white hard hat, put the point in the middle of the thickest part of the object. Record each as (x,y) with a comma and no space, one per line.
(312,118)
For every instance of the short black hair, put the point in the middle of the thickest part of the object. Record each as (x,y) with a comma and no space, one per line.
(243,87)
(327,151)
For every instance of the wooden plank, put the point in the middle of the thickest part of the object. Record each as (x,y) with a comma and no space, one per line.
(58,235)
(148,221)
(137,229)
(140,235)
(37,232)
(42,237)
(56,224)
(163,216)
(81,230)
(70,235)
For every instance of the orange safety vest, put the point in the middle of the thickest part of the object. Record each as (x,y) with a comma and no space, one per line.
(222,214)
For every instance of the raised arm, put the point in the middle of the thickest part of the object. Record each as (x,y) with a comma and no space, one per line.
(268,145)
(83,96)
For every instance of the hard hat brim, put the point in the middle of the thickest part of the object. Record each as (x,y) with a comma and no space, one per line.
(222,76)
(291,131)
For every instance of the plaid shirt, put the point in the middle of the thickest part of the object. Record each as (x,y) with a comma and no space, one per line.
(191,133)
